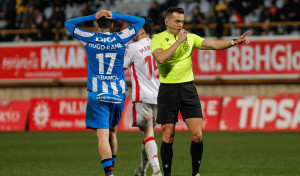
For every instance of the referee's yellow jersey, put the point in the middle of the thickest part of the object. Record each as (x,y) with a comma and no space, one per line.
(178,68)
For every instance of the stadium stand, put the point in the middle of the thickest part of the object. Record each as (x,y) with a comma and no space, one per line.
(23,20)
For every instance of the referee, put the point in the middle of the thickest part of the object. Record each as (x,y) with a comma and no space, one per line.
(172,49)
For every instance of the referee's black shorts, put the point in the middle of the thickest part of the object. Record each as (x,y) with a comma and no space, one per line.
(173,98)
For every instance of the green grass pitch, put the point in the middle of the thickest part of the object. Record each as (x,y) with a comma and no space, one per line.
(75,154)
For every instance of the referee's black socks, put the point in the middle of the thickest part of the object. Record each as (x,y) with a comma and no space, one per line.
(166,153)
(196,153)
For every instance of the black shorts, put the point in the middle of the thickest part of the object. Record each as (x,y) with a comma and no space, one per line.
(173,98)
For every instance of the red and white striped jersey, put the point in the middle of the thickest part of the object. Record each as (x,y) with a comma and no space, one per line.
(144,71)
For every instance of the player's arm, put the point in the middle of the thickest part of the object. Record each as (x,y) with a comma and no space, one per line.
(137,22)
(223,44)
(162,56)
(71,24)
(128,57)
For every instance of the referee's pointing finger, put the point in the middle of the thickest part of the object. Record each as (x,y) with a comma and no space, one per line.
(245,34)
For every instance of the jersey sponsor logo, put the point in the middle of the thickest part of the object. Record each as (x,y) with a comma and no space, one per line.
(123,31)
(105,47)
(109,98)
(107,39)
(105,77)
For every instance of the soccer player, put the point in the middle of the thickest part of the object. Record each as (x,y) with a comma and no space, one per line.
(172,49)
(145,83)
(106,80)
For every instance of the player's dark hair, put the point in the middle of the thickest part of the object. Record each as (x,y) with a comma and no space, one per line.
(104,22)
(173,9)
(148,26)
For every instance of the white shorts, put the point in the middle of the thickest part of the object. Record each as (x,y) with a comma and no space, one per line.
(144,114)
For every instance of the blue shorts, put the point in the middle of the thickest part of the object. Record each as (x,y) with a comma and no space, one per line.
(103,110)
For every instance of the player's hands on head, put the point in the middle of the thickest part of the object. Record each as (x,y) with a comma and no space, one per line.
(106,13)
(182,35)
(243,39)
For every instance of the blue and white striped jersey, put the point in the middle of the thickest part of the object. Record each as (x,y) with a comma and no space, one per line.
(105,53)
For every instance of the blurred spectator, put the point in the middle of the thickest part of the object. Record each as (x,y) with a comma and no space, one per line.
(221,6)
(154,13)
(38,20)
(46,32)
(273,12)
(287,12)
(294,11)
(221,20)
(211,18)
(21,7)
(253,17)
(7,17)
(23,14)
(84,12)
(27,22)
(164,6)
(290,12)
(266,17)
(258,12)
(236,18)
(204,7)
(57,21)
(198,18)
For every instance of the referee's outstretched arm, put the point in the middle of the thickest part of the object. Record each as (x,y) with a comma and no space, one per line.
(223,44)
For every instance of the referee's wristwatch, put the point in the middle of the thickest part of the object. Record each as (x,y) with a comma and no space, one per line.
(232,42)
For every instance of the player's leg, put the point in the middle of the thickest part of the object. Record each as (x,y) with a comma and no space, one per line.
(192,114)
(115,109)
(166,150)
(141,171)
(113,143)
(105,150)
(195,128)
(97,117)
(151,148)
(137,121)
(136,118)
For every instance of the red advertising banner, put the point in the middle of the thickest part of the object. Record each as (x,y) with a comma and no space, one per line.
(68,114)
(211,107)
(260,114)
(262,59)
(42,61)
(62,114)
(277,58)
(13,115)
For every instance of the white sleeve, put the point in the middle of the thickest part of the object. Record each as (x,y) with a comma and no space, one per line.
(129,55)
